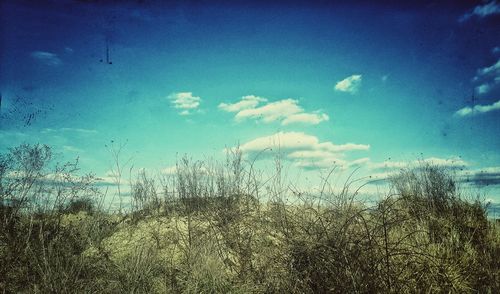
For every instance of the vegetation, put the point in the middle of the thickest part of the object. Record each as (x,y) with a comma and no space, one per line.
(221,228)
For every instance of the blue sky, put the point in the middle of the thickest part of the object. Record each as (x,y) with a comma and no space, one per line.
(365,84)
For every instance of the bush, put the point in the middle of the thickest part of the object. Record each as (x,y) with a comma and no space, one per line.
(79,205)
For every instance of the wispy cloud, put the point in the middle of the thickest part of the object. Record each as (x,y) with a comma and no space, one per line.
(69,148)
(79,130)
(246,102)
(493,69)
(477,109)
(305,118)
(305,151)
(488,77)
(185,102)
(71,130)
(350,84)
(482,11)
(12,138)
(47,58)
(286,111)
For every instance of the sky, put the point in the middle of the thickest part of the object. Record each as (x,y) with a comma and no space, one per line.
(369,85)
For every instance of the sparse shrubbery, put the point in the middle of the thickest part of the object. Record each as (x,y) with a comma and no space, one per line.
(215,228)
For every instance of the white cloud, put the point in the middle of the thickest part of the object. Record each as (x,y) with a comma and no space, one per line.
(270,112)
(360,162)
(477,109)
(489,77)
(306,151)
(482,11)
(321,163)
(344,147)
(310,154)
(47,58)
(246,102)
(286,111)
(305,118)
(313,160)
(282,140)
(185,101)
(350,84)
(298,141)
(483,88)
(495,68)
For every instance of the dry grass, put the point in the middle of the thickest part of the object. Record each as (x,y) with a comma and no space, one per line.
(216,228)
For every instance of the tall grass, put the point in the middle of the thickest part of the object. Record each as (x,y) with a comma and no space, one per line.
(223,227)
